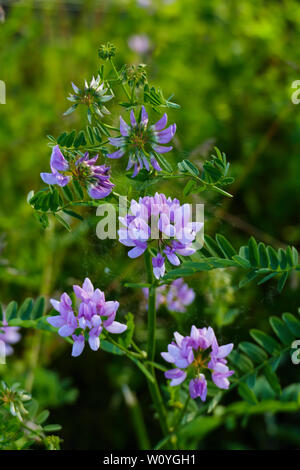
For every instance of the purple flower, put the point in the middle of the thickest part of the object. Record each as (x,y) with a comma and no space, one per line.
(57,163)
(158,263)
(94,314)
(198,387)
(9,335)
(164,221)
(139,43)
(190,353)
(96,177)
(93,177)
(142,142)
(177,296)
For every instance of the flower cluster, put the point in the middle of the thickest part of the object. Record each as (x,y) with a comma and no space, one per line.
(9,335)
(194,356)
(94,177)
(94,315)
(163,220)
(93,95)
(177,296)
(142,142)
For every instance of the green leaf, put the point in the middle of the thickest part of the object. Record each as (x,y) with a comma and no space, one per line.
(73,214)
(61,139)
(266,278)
(188,167)
(272,379)
(126,338)
(243,262)
(25,310)
(257,354)
(163,162)
(266,341)
(281,281)
(295,255)
(281,330)
(253,252)
(292,323)
(212,246)
(274,262)
(263,255)
(248,278)
(52,427)
(77,189)
(247,394)
(67,193)
(240,361)
(80,140)
(11,311)
(42,417)
(282,258)
(189,187)
(110,348)
(137,285)
(63,222)
(225,246)
(38,308)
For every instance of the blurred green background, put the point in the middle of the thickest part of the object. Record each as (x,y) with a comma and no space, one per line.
(230,66)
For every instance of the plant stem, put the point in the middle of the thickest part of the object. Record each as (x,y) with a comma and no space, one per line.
(153,387)
(45,289)
(118,77)
(137,418)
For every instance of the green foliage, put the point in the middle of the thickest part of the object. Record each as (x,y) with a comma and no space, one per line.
(259,260)
(214,174)
(22,424)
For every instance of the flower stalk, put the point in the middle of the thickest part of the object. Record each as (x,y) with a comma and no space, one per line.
(153,387)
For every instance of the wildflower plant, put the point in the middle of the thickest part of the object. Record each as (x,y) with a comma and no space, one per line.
(201,366)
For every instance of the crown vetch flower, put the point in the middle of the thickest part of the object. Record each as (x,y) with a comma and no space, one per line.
(9,335)
(93,95)
(142,142)
(194,356)
(164,221)
(93,315)
(176,296)
(93,177)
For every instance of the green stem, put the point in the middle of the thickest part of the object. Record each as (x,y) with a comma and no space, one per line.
(137,418)
(153,387)
(119,78)
(45,289)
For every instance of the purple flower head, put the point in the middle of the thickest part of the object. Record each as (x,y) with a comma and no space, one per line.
(93,315)
(139,43)
(9,335)
(95,178)
(198,353)
(164,221)
(177,296)
(142,141)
